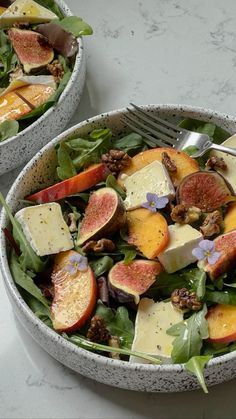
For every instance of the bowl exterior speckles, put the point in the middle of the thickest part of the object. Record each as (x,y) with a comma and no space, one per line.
(22,147)
(141,377)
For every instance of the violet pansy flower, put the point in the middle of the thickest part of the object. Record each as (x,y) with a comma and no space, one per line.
(206,251)
(78,263)
(155,202)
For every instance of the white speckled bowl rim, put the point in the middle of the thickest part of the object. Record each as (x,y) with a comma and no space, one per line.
(75,72)
(21,304)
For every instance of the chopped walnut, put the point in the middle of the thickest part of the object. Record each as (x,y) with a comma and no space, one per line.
(18,72)
(72,222)
(183,215)
(168,163)
(102,245)
(215,162)
(57,70)
(212,224)
(97,331)
(114,341)
(116,160)
(185,300)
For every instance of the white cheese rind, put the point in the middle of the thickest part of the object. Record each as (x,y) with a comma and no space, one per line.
(26,11)
(45,229)
(230,172)
(152,178)
(182,240)
(152,322)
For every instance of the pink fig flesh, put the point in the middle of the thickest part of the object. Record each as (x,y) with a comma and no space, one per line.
(204,190)
(31,48)
(105,214)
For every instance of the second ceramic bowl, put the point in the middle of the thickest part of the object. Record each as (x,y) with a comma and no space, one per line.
(23,146)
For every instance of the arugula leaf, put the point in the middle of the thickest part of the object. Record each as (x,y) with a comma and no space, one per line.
(111,182)
(117,324)
(221,297)
(199,283)
(101,265)
(25,281)
(165,284)
(66,169)
(75,25)
(8,129)
(91,346)
(189,335)
(127,250)
(7,57)
(131,143)
(191,150)
(196,365)
(90,150)
(28,258)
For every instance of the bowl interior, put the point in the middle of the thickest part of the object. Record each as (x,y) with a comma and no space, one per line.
(40,172)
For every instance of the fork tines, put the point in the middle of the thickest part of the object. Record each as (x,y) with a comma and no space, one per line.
(157,131)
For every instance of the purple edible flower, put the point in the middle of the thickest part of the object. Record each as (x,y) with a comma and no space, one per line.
(205,251)
(155,202)
(78,263)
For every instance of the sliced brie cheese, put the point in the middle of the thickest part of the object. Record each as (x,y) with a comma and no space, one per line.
(183,238)
(152,322)
(230,172)
(26,80)
(45,228)
(152,178)
(26,11)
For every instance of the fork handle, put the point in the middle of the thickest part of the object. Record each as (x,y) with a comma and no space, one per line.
(227,150)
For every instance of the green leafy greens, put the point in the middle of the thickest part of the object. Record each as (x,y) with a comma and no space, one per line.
(189,336)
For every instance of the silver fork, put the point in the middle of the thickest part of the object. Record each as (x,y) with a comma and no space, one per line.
(161,133)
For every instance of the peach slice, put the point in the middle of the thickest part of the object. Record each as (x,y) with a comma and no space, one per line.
(185,164)
(84,180)
(2,10)
(21,101)
(221,320)
(75,294)
(230,218)
(147,231)
(226,245)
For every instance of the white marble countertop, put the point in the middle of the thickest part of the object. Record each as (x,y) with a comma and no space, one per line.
(152,51)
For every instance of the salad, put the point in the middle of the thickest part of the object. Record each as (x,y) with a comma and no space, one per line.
(131,253)
(38,46)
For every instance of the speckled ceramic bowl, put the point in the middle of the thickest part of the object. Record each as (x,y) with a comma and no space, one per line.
(163,378)
(23,146)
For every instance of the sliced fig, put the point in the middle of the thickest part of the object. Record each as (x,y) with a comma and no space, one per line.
(61,40)
(204,190)
(31,48)
(128,281)
(226,245)
(104,215)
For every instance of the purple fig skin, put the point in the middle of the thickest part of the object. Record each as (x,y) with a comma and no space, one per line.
(115,223)
(61,40)
(209,205)
(103,292)
(120,295)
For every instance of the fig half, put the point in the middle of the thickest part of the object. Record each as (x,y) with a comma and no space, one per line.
(204,190)
(31,48)
(127,282)
(104,215)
